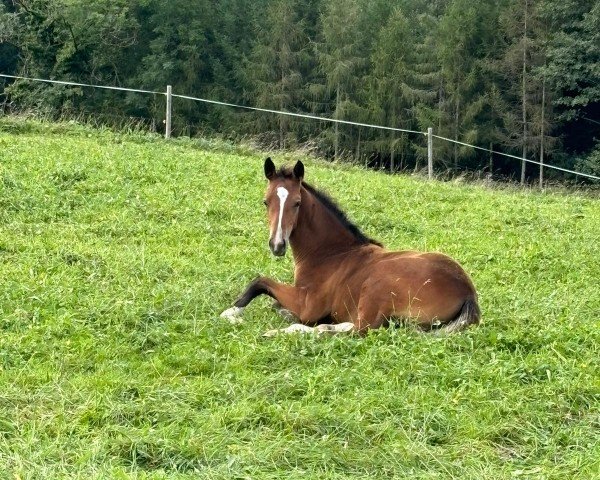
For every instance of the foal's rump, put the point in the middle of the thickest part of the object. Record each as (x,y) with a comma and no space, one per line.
(431,289)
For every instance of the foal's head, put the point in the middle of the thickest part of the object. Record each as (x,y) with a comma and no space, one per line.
(282,199)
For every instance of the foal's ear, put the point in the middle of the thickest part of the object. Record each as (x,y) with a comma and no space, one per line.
(269,168)
(299,170)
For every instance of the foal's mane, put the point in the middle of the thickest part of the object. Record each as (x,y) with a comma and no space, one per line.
(332,206)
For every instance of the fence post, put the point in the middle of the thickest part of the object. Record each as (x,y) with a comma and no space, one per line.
(430,153)
(169,111)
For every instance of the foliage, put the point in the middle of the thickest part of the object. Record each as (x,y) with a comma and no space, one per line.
(275,65)
(590,163)
(574,69)
(520,75)
(119,251)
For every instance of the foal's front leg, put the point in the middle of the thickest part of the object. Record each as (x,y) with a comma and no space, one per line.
(288,296)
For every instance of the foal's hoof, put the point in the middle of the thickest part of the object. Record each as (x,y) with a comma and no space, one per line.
(233,315)
(287,315)
(295,328)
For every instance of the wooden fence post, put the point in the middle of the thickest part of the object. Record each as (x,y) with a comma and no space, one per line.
(430,153)
(169,111)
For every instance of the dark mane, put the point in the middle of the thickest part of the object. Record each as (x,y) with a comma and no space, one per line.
(333,207)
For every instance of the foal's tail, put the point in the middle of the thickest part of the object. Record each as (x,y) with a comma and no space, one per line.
(469,314)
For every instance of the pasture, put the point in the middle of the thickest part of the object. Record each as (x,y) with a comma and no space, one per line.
(118,252)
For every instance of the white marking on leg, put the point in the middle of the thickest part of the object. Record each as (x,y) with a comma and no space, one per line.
(298,328)
(335,328)
(233,314)
(345,327)
(295,328)
(282,193)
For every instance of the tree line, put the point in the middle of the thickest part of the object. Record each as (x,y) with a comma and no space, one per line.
(519,76)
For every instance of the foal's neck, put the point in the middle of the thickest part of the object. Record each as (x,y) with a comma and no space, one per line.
(319,233)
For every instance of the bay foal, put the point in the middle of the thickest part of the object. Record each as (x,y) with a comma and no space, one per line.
(344,279)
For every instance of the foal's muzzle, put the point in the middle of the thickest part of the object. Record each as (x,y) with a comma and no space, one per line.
(278,249)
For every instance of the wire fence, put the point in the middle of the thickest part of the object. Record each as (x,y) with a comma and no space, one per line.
(429,134)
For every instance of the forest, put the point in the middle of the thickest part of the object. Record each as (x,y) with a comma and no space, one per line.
(517,76)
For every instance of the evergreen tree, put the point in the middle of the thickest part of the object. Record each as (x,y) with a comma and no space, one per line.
(394,83)
(572,71)
(275,66)
(515,75)
(179,53)
(527,118)
(235,24)
(466,39)
(342,60)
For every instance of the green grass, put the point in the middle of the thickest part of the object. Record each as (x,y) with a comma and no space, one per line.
(118,252)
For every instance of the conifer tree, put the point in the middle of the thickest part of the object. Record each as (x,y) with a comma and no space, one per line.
(515,75)
(572,74)
(394,86)
(342,61)
(275,66)
(466,38)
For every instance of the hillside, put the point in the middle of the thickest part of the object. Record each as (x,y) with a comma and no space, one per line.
(117,252)
(525,79)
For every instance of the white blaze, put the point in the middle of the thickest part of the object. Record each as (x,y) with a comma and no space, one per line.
(282,193)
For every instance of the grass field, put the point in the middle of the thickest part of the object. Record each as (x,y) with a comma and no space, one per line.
(118,252)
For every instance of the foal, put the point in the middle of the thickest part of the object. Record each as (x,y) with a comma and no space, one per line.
(346,280)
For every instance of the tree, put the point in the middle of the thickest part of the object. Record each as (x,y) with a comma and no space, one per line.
(522,58)
(467,38)
(72,41)
(8,49)
(275,66)
(573,70)
(178,53)
(234,29)
(518,75)
(397,85)
(341,62)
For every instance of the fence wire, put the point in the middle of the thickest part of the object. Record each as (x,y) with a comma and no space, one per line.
(545,165)
(301,115)
(304,115)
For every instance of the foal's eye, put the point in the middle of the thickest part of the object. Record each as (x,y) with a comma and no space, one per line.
(297,204)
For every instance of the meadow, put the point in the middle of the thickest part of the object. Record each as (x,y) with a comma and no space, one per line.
(118,252)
